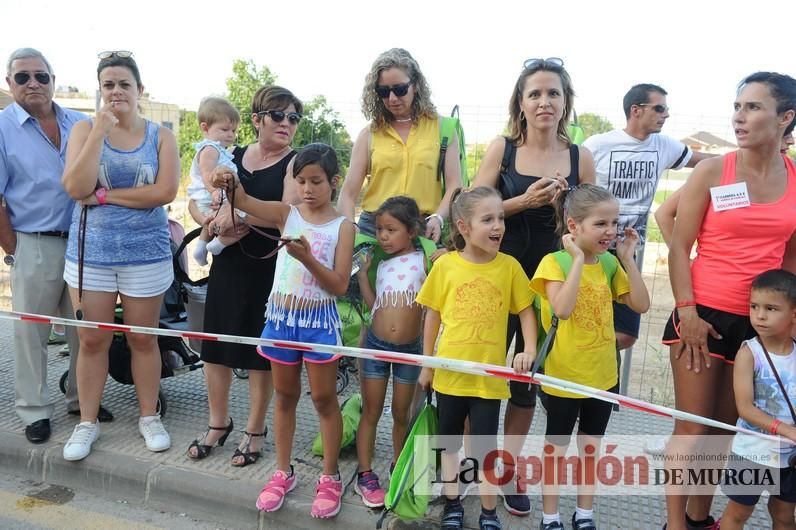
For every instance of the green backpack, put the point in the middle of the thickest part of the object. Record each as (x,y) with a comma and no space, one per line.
(576,133)
(414,470)
(450,128)
(545,337)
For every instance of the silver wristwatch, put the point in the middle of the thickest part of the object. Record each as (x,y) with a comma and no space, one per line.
(8,259)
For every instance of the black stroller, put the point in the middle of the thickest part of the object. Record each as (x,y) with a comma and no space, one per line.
(176,356)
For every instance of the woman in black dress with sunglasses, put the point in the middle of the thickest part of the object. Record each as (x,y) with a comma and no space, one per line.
(240,278)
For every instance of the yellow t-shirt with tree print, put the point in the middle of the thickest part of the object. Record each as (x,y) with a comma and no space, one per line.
(474,301)
(584,350)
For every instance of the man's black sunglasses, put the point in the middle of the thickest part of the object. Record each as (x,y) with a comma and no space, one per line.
(399,90)
(278,116)
(660,109)
(22,78)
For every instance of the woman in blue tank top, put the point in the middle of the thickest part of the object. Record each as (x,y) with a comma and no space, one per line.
(122,169)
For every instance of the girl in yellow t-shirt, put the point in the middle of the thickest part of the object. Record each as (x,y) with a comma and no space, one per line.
(470,292)
(584,350)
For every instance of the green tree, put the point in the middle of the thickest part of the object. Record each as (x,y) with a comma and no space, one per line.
(189,135)
(594,124)
(241,87)
(475,154)
(321,123)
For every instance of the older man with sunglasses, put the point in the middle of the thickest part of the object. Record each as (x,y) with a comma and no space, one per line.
(33,230)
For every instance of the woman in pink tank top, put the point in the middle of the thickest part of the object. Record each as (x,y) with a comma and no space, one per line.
(741,208)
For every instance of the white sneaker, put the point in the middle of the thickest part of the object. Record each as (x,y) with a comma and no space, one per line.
(79,445)
(155,436)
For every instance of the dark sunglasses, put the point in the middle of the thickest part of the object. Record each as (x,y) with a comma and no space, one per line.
(550,61)
(22,78)
(122,54)
(660,109)
(278,116)
(399,90)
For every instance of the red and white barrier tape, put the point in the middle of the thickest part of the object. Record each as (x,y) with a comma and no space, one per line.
(427,361)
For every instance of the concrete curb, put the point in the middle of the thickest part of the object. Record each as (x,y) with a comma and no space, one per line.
(170,488)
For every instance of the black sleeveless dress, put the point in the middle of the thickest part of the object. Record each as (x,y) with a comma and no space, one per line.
(239,285)
(530,236)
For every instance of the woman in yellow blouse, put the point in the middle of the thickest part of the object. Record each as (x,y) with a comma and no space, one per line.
(400,147)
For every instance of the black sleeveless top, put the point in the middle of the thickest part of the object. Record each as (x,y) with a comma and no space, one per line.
(530,234)
(239,285)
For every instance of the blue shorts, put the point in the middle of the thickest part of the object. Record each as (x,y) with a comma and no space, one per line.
(298,334)
(402,373)
(626,320)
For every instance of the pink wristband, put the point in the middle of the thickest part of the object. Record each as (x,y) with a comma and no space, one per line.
(101,194)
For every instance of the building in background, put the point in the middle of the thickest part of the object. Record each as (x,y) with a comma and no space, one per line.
(165,114)
(708,143)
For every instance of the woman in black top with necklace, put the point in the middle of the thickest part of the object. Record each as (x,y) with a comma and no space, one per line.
(240,279)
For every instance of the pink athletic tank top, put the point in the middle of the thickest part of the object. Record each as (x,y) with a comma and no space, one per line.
(734,246)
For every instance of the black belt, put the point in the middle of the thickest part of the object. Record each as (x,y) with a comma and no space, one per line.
(52,233)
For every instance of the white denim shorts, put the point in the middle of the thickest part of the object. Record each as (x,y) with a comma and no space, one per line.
(138,281)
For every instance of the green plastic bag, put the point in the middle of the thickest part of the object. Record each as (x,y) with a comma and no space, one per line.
(351,410)
(414,469)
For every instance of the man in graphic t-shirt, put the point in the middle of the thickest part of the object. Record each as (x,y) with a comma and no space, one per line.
(629,163)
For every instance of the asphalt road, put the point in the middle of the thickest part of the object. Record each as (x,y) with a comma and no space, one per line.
(29,505)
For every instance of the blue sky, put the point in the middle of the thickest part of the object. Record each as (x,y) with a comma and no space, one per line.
(470,53)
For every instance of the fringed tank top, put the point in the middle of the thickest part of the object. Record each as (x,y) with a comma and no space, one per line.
(398,280)
(297,299)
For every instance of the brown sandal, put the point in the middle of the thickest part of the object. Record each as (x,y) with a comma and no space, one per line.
(203,450)
(249,456)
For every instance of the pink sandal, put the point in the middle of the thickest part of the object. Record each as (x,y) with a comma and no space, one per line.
(328,497)
(273,493)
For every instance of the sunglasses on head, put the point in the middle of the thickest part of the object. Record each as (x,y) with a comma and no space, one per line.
(22,78)
(399,90)
(278,116)
(660,109)
(550,61)
(122,54)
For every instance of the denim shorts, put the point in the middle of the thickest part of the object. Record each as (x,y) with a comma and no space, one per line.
(298,334)
(402,373)
(367,223)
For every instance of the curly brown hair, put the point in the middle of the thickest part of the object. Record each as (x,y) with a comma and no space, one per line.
(372,105)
